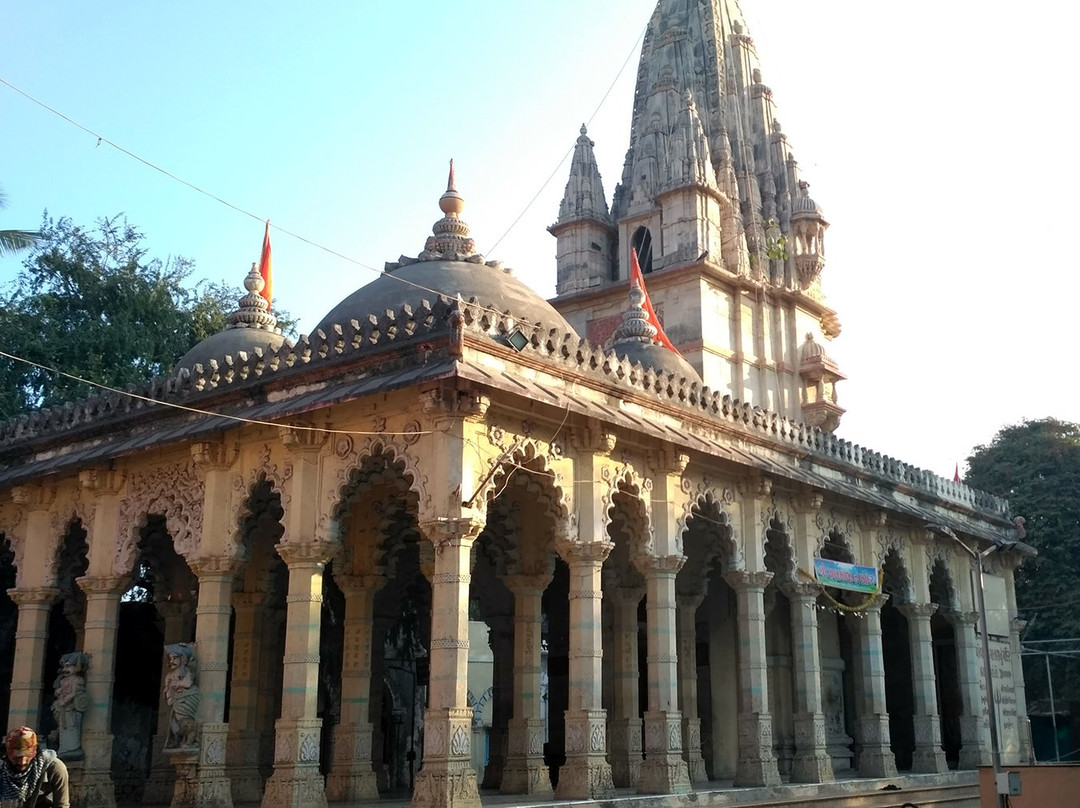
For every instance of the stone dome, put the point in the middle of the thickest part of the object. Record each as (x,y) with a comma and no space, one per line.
(635,341)
(249,327)
(803,206)
(448,266)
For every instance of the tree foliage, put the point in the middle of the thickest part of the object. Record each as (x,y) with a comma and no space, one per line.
(13,241)
(91,302)
(1036,465)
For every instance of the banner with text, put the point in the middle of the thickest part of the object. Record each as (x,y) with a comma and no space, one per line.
(846,576)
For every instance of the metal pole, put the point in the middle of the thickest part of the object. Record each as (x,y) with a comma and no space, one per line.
(1053,712)
(995,752)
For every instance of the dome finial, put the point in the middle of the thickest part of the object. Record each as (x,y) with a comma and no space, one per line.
(635,325)
(254,311)
(450,233)
(451,202)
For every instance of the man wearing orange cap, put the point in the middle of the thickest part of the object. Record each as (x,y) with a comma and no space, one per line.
(29,778)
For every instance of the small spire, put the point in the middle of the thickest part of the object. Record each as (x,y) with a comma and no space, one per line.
(254,311)
(583,198)
(450,233)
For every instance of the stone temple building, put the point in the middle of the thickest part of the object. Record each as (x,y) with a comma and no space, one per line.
(253,581)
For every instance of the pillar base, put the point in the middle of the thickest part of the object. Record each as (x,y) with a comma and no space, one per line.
(664,770)
(243,762)
(351,777)
(625,744)
(756,765)
(812,762)
(525,771)
(875,756)
(695,763)
(90,788)
(296,781)
(447,779)
(586,774)
(928,757)
(974,742)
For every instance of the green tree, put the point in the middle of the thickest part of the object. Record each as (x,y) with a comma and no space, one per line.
(13,241)
(1036,465)
(92,303)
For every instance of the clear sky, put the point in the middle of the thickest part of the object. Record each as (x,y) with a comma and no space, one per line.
(935,135)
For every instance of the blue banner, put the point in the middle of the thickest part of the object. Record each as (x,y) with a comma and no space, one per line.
(846,576)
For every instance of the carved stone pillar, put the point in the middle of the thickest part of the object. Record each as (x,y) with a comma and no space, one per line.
(447,779)
(296,781)
(211,787)
(352,777)
(94,785)
(875,757)
(974,724)
(243,746)
(501,640)
(664,770)
(756,765)
(625,742)
(587,774)
(524,771)
(928,755)
(812,763)
(688,686)
(31,634)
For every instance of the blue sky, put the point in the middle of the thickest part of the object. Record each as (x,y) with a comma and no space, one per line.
(936,136)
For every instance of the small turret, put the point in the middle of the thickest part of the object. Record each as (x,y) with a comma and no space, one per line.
(808,225)
(819,376)
(584,230)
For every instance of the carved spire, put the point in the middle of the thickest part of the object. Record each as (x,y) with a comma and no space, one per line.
(584,195)
(254,311)
(450,233)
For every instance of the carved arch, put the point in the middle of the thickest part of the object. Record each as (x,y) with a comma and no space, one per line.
(942,585)
(722,545)
(896,578)
(536,459)
(779,553)
(265,471)
(626,481)
(177,492)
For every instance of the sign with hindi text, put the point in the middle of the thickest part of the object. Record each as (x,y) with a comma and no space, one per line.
(846,576)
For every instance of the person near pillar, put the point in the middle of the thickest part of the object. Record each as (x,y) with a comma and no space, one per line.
(29,777)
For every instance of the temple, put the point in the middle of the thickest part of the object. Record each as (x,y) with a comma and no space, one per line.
(462,541)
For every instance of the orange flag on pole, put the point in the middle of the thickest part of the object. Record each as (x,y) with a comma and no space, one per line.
(956,474)
(266,267)
(638,280)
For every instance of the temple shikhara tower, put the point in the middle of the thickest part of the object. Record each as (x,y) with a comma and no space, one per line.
(712,199)
(461,541)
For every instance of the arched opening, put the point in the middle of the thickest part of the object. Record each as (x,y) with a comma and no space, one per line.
(9,619)
(642,242)
(896,653)
(946,662)
(780,561)
(840,694)
(157,609)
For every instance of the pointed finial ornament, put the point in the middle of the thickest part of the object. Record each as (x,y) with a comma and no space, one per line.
(450,239)
(254,311)
(635,325)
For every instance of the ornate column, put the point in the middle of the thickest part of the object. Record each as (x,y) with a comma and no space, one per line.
(625,742)
(756,765)
(352,777)
(202,781)
(31,633)
(524,771)
(812,763)
(875,757)
(974,723)
(664,770)
(95,786)
(686,617)
(586,774)
(243,745)
(928,755)
(447,779)
(296,781)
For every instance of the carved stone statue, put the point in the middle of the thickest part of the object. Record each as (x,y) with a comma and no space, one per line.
(70,702)
(182,695)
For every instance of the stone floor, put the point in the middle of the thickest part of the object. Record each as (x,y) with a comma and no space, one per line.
(953,789)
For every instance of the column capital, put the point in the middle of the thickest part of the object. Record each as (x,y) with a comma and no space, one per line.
(521,584)
(355,584)
(302,438)
(744,579)
(583,551)
(29,596)
(102,584)
(652,564)
(961,619)
(808,501)
(801,590)
(34,497)
(669,460)
(917,611)
(102,481)
(315,553)
(593,438)
(872,519)
(451,532)
(755,485)
(689,600)
(214,455)
(215,566)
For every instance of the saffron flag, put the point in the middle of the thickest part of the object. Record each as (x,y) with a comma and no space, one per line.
(956,474)
(266,268)
(636,279)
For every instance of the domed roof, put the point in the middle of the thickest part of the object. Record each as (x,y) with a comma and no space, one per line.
(804,206)
(249,327)
(635,341)
(449,266)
